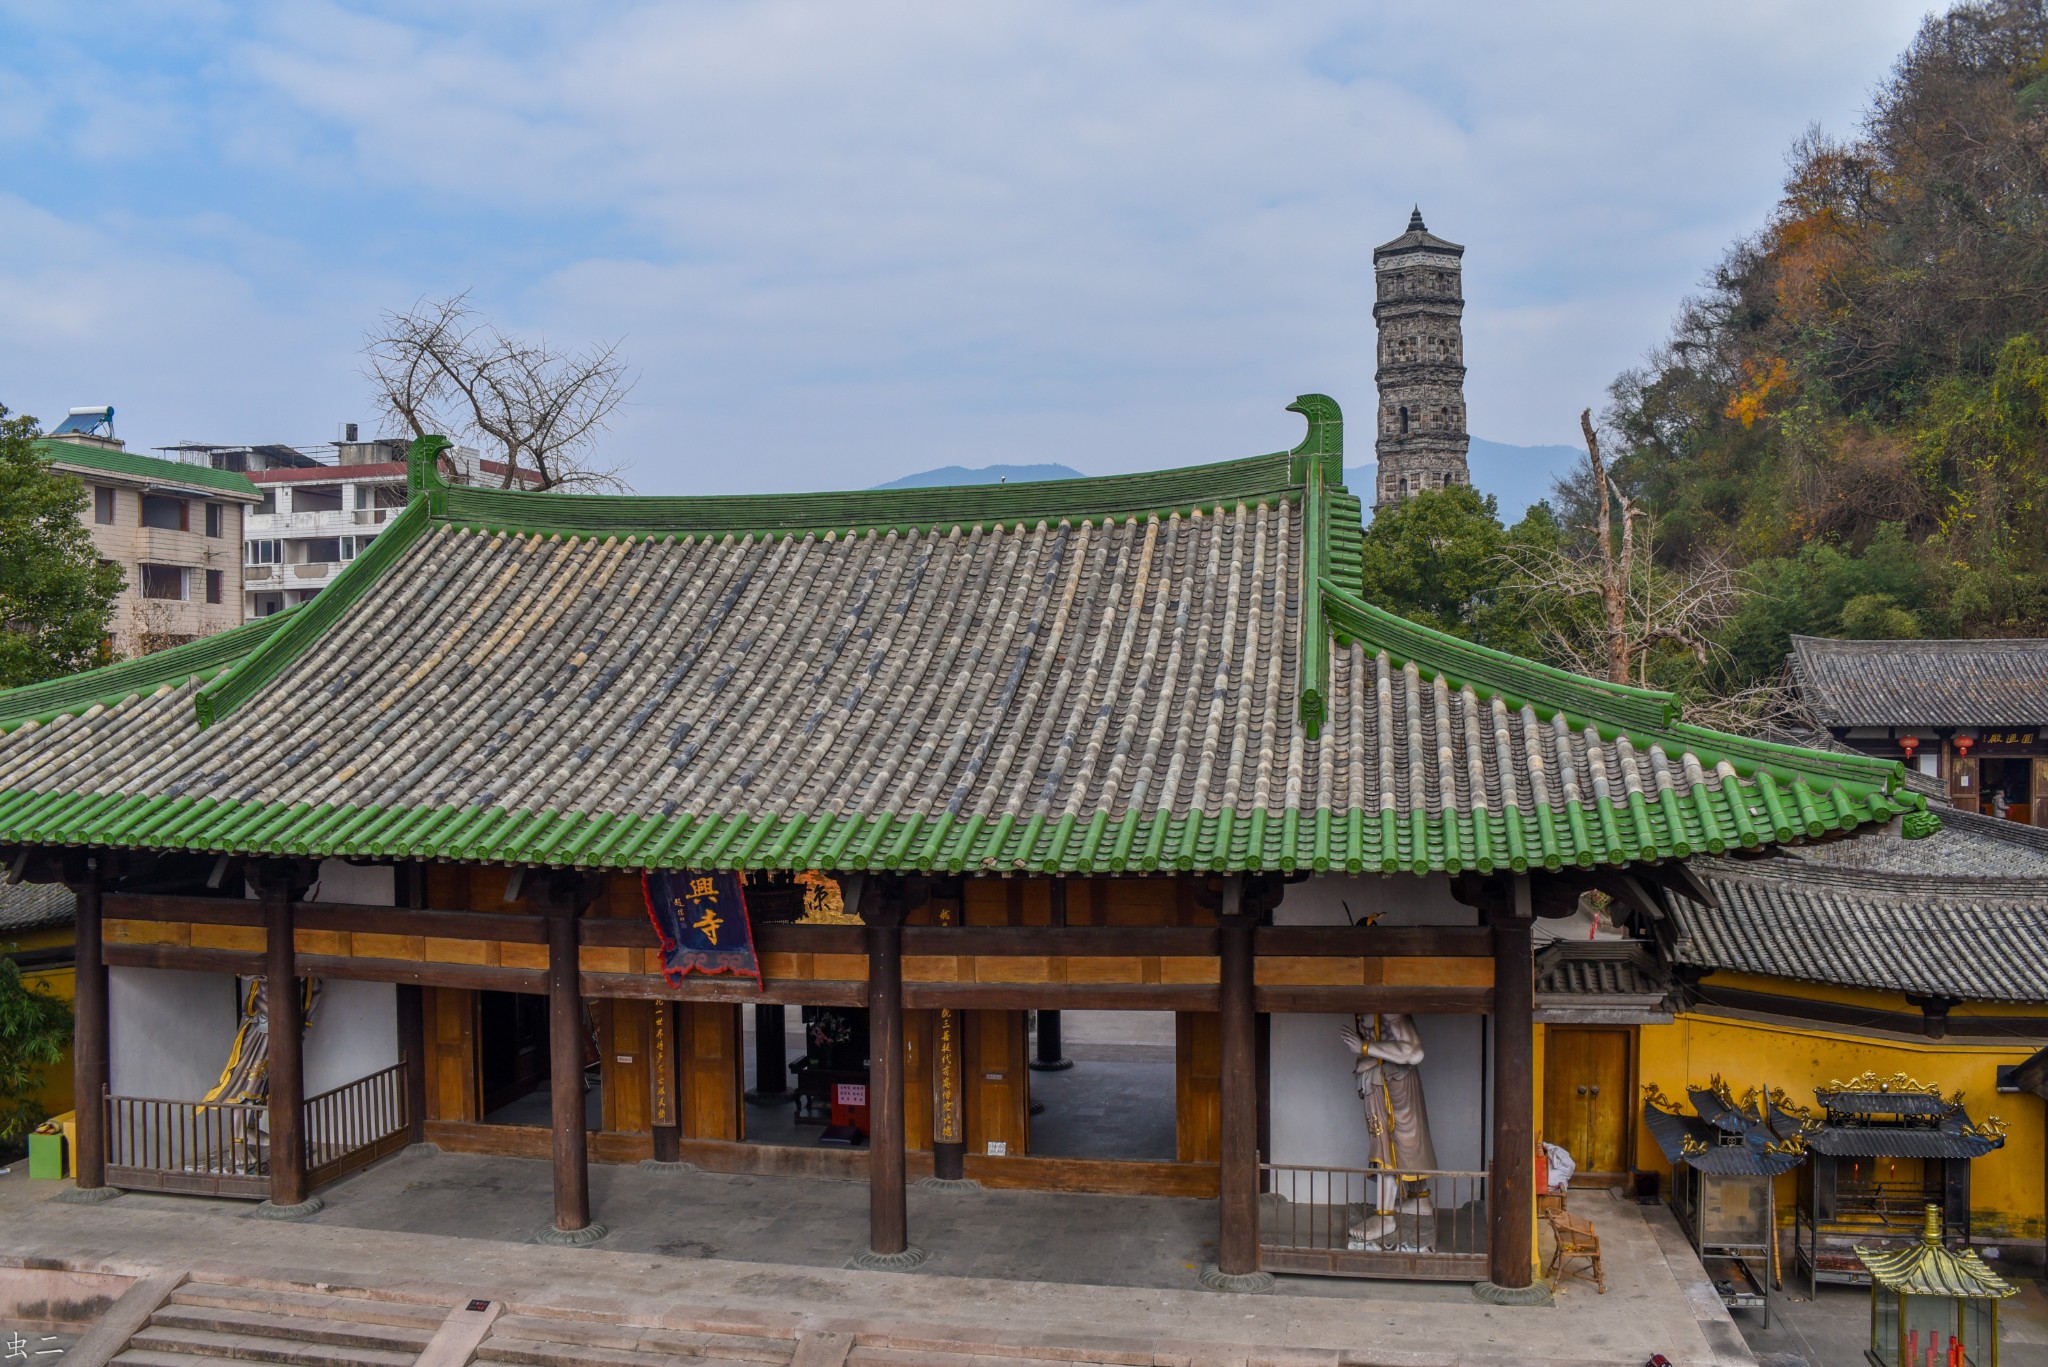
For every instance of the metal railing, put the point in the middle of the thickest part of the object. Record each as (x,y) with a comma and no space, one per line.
(1360,1222)
(355,1124)
(194,1148)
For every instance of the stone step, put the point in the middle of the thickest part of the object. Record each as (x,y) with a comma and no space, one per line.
(541,1353)
(310,1305)
(766,1347)
(204,1344)
(306,1328)
(993,1355)
(139,1357)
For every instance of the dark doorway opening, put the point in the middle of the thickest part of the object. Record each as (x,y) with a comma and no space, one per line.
(2008,788)
(823,1063)
(512,1062)
(1119,1098)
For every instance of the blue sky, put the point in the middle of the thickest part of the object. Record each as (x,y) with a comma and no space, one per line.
(842,241)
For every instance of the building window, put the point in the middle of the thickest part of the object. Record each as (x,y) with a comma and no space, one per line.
(322,550)
(166,513)
(262,552)
(163,581)
(1404,420)
(216,585)
(317,499)
(216,517)
(103,505)
(268,503)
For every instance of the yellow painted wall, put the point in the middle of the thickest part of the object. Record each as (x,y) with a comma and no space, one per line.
(2006,1185)
(60,982)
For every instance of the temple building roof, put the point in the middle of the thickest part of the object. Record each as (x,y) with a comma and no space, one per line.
(35,906)
(1162,671)
(1923,683)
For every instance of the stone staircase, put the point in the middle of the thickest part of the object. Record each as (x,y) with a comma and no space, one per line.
(202,1322)
(207,1322)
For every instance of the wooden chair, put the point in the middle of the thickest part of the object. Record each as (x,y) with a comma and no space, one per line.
(1576,1244)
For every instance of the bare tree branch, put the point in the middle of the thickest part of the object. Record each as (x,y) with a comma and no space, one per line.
(533,410)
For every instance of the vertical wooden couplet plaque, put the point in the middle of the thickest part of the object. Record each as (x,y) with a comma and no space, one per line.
(949,1124)
(664,1114)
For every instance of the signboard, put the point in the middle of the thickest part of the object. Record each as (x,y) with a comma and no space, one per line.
(850,1093)
(701,920)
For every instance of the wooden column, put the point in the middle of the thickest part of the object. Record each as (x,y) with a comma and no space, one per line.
(665,1080)
(1049,1058)
(1237,1247)
(771,1057)
(412,1013)
(1511,1191)
(283,1004)
(570,1147)
(889,1246)
(89,1046)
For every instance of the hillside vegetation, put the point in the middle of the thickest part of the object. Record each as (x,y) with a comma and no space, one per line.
(1845,434)
(1855,410)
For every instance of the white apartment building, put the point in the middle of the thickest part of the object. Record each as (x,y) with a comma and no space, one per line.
(319,507)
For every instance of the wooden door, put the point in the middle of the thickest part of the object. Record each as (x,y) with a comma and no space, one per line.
(1198,1086)
(2038,791)
(1962,781)
(623,1032)
(997,1083)
(714,1075)
(1586,1096)
(454,1088)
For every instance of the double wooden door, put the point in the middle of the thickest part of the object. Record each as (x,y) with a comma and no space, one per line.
(1586,1096)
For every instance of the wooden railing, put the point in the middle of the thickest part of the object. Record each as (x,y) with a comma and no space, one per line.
(193,1148)
(213,1148)
(1358,1222)
(355,1124)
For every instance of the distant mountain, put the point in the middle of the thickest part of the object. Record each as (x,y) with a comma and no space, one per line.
(987,474)
(1516,475)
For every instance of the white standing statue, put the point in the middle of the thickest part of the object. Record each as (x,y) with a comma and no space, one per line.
(1399,1213)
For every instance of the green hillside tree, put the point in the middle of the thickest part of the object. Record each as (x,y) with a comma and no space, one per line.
(34,1028)
(55,595)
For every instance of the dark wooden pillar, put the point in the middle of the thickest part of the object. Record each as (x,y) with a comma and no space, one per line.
(570,1147)
(889,1246)
(1511,1191)
(1049,1057)
(89,1045)
(1237,1246)
(771,1057)
(283,1005)
(412,1013)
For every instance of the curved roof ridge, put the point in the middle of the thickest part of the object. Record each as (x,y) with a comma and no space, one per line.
(203,658)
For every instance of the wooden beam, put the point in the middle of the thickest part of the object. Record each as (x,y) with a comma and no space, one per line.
(1424,1001)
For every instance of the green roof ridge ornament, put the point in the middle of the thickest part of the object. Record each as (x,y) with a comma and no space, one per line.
(423,465)
(1325,438)
(1919,825)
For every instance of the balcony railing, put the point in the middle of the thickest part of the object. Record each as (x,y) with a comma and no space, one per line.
(212,1148)
(1358,1222)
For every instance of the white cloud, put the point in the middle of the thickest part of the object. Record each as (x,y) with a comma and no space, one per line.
(855,239)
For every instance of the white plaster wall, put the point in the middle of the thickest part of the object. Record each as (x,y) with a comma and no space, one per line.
(354,1033)
(1317,1117)
(170,1031)
(355,1024)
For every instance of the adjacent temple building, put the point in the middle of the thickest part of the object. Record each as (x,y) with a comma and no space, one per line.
(1421,373)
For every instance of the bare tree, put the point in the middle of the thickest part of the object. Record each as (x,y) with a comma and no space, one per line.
(1604,606)
(533,409)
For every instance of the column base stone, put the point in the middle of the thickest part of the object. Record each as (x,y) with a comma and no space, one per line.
(86,1196)
(909,1258)
(666,1169)
(1536,1293)
(1051,1065)
(571,1238)
(952,1184)
(312,1205)
(1237,1283)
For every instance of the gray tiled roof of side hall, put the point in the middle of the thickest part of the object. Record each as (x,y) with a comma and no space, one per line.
(35,906)
(1923,683)
(1962,913)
